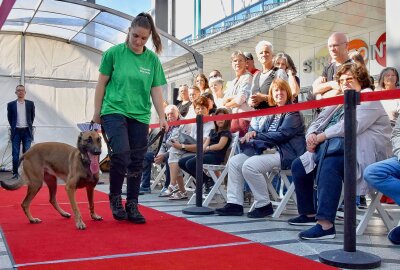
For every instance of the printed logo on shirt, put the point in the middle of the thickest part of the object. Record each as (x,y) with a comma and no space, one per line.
(144,70)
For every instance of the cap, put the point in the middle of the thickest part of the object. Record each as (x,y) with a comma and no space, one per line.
(248,55)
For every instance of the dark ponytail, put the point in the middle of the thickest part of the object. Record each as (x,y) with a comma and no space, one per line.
(146,21)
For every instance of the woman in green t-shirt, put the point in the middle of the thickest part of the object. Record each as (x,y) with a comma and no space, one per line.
(129,75)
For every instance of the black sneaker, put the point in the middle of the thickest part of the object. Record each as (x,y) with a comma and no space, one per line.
(302,220)
(15,176)
(117,209)
(133,213)
(261,212)
(316,232)
(363,202)
(230,209)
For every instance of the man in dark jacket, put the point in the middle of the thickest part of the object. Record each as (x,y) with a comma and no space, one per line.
(20,114)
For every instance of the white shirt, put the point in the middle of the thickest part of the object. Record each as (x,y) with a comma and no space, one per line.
(21,115)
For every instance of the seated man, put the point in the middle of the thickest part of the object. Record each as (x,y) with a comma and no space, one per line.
(172,114)
(385,177)
(320,171)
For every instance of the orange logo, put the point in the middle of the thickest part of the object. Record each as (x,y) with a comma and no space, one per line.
(360,46)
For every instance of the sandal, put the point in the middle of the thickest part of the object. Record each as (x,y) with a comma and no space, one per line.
(170,190)
(179,196)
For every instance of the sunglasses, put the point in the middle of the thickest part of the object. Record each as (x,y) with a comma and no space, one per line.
(346,80)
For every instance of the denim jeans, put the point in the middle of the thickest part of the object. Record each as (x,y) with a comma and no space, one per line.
(22,135)
(128,141)
(385,177)
(147,165)
(328,190)
(188,164)
(276,183)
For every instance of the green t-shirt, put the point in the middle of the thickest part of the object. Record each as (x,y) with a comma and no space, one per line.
(131,78)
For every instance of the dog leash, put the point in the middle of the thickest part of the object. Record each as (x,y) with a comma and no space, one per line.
(110,151)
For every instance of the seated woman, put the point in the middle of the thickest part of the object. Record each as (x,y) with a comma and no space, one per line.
(180,150)
(324,159)
(215,147)
(283,135)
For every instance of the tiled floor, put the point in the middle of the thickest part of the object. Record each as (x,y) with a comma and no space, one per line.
(276,233)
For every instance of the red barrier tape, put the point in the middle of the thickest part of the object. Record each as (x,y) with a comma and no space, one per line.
(371,96)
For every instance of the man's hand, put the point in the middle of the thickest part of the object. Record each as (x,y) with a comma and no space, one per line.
(159,159)
(248,136)
(257,98)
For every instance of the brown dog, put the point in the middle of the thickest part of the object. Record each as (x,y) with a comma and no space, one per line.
(77,167)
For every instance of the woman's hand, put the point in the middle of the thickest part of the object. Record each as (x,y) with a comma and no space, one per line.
(164,124)
(96,118)
(312,142)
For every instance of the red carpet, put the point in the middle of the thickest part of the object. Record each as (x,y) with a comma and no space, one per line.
(56,238)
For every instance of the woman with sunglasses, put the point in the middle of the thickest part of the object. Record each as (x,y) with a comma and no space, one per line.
(322,166)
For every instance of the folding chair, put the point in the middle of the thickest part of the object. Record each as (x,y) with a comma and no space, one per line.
(223,169)
(275,199)
(374,205)
(160,171)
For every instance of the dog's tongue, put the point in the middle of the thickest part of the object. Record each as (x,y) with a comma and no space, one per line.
(94,163)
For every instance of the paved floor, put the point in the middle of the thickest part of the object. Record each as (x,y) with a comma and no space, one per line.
(275,233)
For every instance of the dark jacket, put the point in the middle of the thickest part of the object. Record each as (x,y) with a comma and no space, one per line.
(288,138)
(12,115)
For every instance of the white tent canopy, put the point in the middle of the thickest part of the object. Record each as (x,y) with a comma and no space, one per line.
(54,48)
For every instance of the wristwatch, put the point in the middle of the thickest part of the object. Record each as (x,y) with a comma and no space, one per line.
(182,146)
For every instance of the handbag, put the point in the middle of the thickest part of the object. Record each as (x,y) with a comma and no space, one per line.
(330,147)
(186,139)
(253,147)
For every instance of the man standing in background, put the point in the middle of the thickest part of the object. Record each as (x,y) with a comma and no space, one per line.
(20,114)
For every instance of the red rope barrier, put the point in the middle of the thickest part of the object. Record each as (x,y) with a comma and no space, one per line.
(371,96)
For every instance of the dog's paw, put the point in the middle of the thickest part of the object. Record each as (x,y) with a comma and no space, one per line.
(81,225)
(35,220)
(66,215)
(96,217)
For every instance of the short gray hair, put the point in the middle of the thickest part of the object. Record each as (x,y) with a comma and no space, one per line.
(264,43)
(216,80)
(171,108)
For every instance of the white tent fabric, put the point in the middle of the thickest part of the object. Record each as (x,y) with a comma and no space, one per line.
(60,79)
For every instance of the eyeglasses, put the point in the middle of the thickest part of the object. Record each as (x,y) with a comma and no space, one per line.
(213,76)
(346,80)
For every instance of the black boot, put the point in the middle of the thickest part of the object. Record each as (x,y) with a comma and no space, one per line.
(133,212)
(117,209)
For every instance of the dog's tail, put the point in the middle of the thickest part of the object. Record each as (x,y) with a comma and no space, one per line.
(12,184)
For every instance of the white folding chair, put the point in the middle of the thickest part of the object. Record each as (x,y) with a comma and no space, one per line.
(367,215)
(223,169)
(160,171)
(280,203)
(374,205)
